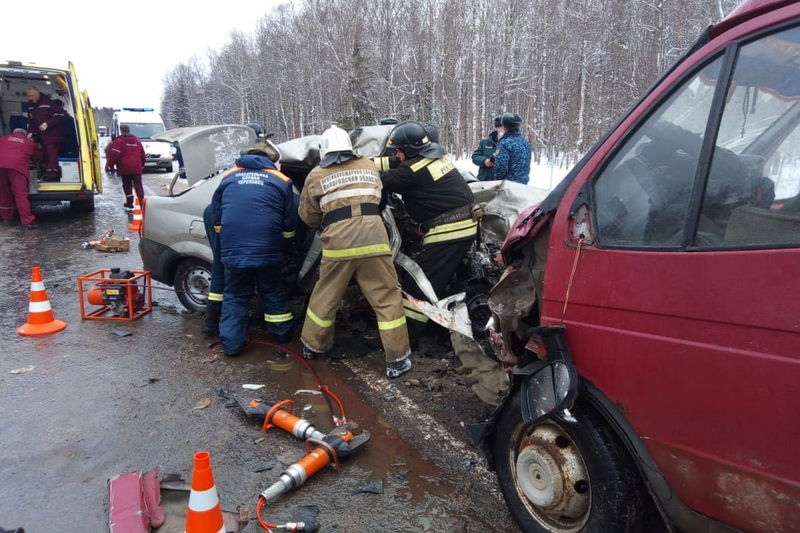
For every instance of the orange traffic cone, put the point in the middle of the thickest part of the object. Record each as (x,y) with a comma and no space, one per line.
(136,223)
(204,514)
(40,316)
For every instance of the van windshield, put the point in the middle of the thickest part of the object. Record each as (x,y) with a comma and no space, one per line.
(145,130)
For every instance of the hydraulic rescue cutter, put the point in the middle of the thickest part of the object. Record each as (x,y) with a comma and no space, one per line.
(321,450)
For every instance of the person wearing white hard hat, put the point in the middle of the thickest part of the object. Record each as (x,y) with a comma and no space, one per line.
(342,196)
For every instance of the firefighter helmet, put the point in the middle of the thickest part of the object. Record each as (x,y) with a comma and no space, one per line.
(334,139)
(410,137)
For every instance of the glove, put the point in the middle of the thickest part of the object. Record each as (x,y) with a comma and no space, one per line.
(43,126)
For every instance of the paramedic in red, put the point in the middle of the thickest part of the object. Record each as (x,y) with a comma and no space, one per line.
(17,152)
(127,153)
(46,124)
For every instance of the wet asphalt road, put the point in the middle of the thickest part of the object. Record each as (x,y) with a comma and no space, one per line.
(102,398)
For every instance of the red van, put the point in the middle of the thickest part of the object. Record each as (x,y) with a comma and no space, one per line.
(650,308)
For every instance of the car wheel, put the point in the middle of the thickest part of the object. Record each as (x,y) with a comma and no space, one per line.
(192,280)
(562,476)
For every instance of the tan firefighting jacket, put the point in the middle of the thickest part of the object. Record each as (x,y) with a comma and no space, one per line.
(343,192)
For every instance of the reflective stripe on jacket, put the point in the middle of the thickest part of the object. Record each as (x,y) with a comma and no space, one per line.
(349,184)
(256,208)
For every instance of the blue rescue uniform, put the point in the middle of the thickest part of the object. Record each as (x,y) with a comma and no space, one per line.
(512,160)
(256,207)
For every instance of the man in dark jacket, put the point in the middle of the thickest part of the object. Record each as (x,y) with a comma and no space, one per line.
(46,125)
(127,154)
(436,196)
(512,159)
(483,156)
(256,209)
(17,152)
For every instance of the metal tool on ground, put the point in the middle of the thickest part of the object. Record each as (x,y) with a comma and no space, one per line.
(341,442)
(280,415)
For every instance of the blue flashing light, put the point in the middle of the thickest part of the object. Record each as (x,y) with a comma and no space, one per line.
(138,109)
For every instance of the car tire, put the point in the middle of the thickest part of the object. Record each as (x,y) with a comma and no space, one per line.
(560,476)
(191,282)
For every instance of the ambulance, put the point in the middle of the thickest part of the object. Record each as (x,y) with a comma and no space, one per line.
(145,123)
(78,157)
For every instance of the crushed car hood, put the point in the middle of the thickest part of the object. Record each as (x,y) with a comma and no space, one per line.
(503,202)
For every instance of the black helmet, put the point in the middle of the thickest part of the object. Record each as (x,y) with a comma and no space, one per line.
(498,121)
(258,128)
(433,132)
(410,137)
(511,121)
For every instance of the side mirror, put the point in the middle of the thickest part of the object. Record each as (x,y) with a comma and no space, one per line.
(549,389)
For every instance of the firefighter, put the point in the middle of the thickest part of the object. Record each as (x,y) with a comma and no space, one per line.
(46,125)
(256,208)
(342,196)
(437,198)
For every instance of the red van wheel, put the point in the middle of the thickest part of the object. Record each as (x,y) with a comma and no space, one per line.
(560,476)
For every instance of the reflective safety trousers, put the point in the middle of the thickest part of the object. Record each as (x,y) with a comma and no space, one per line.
(377,278)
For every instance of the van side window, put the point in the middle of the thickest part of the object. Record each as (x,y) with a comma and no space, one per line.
(753,192)
(642,196)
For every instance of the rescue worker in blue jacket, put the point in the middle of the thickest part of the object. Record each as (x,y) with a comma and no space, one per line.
(483,156)
(256,208)
(512,159)
(437,197)
(217,283)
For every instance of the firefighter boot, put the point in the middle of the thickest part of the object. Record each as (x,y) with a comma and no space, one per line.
(398,368)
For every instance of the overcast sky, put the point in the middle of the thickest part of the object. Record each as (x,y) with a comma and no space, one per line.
(122,50)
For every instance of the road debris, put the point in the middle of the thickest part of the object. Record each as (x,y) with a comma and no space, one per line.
(202,404)
(373,486)
(23,369)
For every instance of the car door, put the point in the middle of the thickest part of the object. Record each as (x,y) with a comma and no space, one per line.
(673,263)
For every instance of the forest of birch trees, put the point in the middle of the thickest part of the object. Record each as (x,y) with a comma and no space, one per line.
(568,67)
